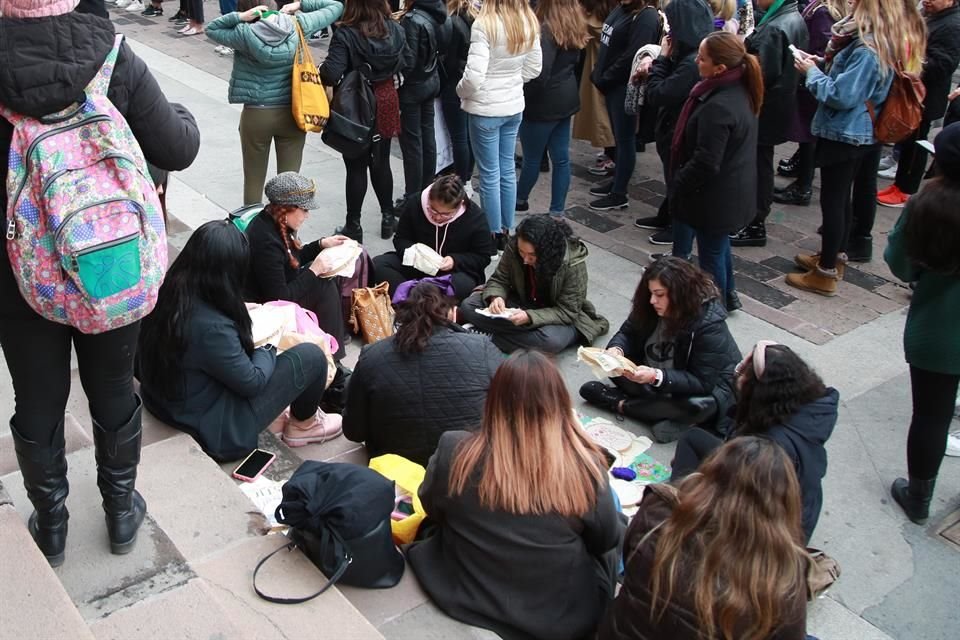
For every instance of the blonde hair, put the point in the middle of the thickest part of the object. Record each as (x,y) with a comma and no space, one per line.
(723,9)
(566,21)
(456,6)
(896,32)
(530,453)
(519,23)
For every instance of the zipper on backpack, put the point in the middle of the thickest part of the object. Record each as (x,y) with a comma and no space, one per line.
(49,181)
(141,212)
(11,229)
(74,257)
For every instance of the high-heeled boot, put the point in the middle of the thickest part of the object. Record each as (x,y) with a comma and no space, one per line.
(44,468)
(352,229)
(118,454)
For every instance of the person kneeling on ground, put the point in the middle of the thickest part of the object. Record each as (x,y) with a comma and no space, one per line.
(428,378)
(444,219)
(199,370)
(720,556)
(781,398)
(526,531)
(543,277)
(677,335)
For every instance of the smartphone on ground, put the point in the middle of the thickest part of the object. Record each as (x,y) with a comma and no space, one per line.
(254,465)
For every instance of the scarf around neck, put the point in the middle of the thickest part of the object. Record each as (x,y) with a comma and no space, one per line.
(730,76)
(842,33)
(772,11)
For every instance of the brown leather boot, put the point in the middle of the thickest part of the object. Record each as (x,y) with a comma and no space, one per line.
(817,281)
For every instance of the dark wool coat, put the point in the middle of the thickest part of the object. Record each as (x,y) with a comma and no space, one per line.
(705,356)
(714,184)
(526,577)
(403,402)
(555,94)
(941,59)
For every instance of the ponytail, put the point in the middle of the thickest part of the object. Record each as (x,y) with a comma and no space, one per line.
(753,80)
(425,308)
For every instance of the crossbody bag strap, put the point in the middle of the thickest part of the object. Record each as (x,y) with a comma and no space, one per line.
(345,562)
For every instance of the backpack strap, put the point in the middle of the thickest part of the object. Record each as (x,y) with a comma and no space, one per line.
(101,82)
(345,561)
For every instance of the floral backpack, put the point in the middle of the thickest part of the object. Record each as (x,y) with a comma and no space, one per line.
(84,229)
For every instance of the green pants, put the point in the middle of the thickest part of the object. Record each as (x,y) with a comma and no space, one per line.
(258,127)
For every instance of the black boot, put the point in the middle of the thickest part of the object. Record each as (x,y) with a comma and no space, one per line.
(388,224)
(118,454)
(789,167)
(44,468)
(352,229)
(600,395)
(732,302)
(860,248)
(752,235)
(793,193)
(914,497)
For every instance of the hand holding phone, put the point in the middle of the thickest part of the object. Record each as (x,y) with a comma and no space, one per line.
(254,465)
(797,53)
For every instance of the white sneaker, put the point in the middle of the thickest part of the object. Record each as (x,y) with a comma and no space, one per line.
(135,6)
(886,162)
(468,189)
(889,173)
(122,4)
(953,444)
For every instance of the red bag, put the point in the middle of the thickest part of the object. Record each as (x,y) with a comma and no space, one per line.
(903,111)
(388,108)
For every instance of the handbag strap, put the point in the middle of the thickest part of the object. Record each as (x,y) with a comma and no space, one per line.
(344,564)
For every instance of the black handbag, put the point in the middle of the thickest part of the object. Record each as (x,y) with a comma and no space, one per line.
(339,516)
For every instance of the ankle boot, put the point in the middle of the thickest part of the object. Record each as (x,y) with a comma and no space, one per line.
(44,468)
(914,497)
(117,454)
(388,224)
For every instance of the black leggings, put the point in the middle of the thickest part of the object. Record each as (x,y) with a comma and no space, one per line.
(934,398)
(38,357)
(646,405)
(692,448)
(381,176)
(806,153)
(839,207)
(389,267)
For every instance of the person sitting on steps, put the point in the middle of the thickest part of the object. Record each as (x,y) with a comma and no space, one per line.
(677,335)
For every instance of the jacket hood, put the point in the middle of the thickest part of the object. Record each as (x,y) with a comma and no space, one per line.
(576,252)
(690,22)
(46,63)
(437,9)
(273,30)
(385,55)
(713,312)
(814,422)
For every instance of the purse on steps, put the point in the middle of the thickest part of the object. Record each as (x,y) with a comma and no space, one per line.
(371,313)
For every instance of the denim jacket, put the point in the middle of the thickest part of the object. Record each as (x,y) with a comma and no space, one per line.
(854,78)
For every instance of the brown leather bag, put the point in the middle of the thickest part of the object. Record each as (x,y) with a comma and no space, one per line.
(903,110)
(371,312)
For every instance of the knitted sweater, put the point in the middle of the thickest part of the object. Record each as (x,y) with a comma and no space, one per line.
(263,62)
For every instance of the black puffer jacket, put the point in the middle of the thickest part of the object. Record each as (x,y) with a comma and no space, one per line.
(402,403)
(421,75)
(455,58)
(770,42)
(555,93)
(704,357)
(941,59)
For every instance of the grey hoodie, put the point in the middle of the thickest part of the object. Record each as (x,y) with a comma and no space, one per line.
(274,29)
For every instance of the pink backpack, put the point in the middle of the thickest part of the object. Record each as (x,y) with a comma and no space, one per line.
(84,227)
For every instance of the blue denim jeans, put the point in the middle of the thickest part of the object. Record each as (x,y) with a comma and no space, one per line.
(227,6)
(683,237)
(713,249)
(625,133)
(554,136)
(456,119)
(494,140)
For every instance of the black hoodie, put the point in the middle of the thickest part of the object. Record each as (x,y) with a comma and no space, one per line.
(349,49)
(421,75)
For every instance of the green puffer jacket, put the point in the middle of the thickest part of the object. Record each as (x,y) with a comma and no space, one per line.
(263,53)
(931,341)
(568,291)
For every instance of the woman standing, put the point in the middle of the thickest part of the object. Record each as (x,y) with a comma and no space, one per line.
(631,25)
(462,13)
(924,247)
(504,53)
(527,530)
(714,156)
(859,64)
(715,557)
(368,35)
(592,123)
(551,100)
(260,81)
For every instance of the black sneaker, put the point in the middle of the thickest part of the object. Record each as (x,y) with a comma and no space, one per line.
(609,202)
(752,235)
(653,222)
(860,248)
(179,15)
(522,205)
(152,12)
(793,194)
(600,395)
(602,189)
(664,237)
(732,302)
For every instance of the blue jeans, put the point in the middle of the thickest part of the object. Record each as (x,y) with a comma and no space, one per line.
(554,136)
(227,6)
(494,140)
(713,249)
(625,133)
(683,236)
(456,119)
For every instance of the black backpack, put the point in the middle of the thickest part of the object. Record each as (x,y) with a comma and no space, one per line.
(438,47)
(352,126)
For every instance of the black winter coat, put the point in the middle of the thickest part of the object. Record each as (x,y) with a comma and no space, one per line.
(770,42)
(349,49)
(270,275)
(623,33)
(555,94)
(467,239)
(714,187)
(421,75)
(525,577)
(704,357)
(941,59)
(455,58)
(217,380)
(402,403)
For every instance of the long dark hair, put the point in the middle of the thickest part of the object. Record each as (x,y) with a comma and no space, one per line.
(369,17)
(932,231)
(787,384)
(210,269)
(549,236)
(688,287)
(425,309)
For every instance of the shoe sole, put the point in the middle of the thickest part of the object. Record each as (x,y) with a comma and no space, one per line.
(796,203)
(660,243)
(610,208)
(302,442)
(123,548)
(892,205)
(828,294)
(600,172)
(652,227)
(598,194)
